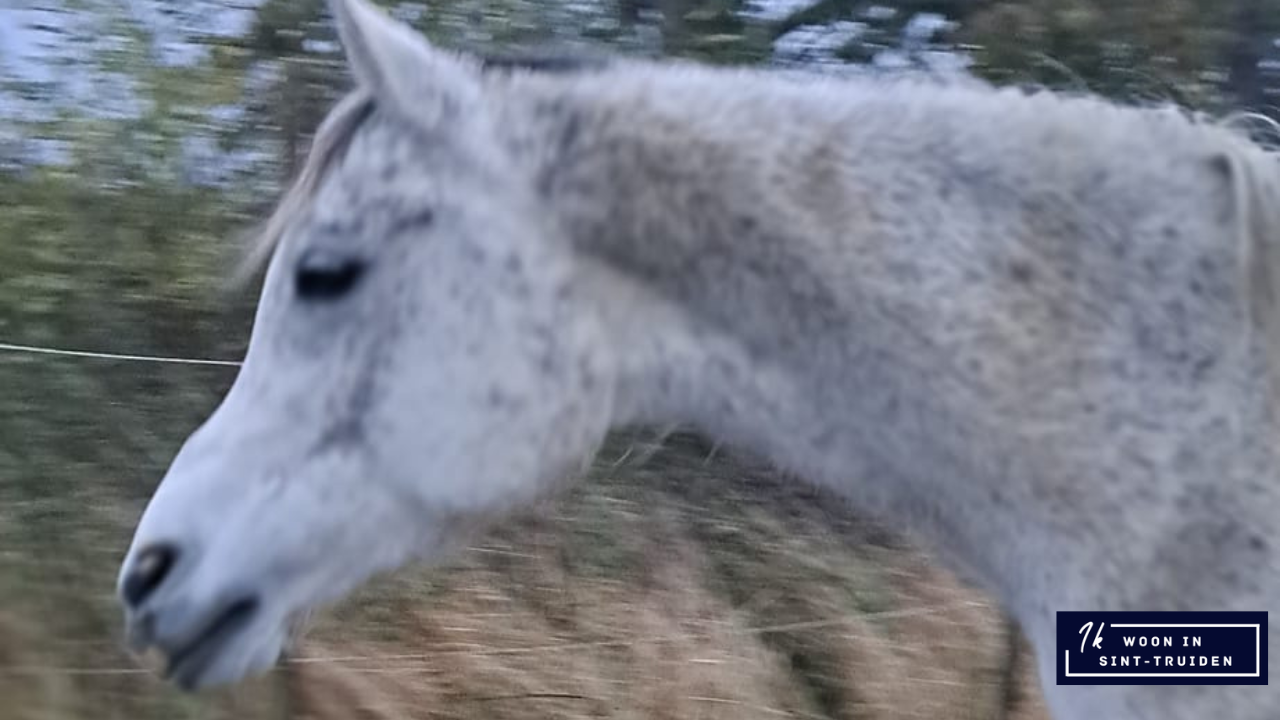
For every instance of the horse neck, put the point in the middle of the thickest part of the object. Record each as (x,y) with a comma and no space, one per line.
(723,250)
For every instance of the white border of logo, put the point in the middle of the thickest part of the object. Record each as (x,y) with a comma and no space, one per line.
(1257,649)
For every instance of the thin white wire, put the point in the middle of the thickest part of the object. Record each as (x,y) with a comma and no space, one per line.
(37,350)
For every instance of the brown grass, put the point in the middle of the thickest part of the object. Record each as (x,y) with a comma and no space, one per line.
(678,587)
(672,585)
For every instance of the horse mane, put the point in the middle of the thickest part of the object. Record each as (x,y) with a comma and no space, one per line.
(1253,169)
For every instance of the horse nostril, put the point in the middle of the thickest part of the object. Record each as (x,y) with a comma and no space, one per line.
(149,570)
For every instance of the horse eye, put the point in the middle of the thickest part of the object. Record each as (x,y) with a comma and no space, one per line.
(325,275)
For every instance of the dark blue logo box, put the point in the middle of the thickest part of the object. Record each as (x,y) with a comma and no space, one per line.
(1162,648)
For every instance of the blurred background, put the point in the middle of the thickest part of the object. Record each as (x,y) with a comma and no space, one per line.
(138,138)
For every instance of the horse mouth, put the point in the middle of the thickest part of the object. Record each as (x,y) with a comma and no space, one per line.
(188,663)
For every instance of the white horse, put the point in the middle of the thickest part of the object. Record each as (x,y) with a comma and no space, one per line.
(1038,330)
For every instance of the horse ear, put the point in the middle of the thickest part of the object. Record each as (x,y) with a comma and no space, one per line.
(393,62)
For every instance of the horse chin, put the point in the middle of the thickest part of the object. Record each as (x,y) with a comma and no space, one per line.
(254,651)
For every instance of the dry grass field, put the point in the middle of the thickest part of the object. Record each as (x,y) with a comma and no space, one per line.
(676,582)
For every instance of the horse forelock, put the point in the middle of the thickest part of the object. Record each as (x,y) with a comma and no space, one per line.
(334,136)
(331,141)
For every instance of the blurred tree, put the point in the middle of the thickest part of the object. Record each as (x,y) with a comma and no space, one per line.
(1125,48)
(1250,54)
